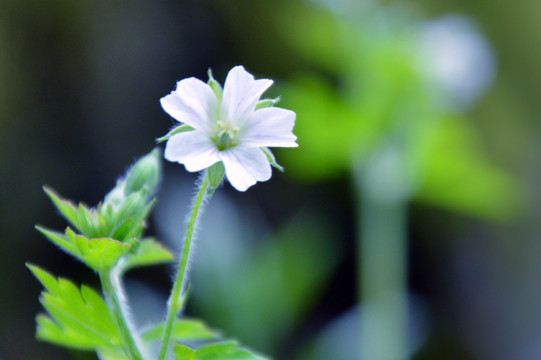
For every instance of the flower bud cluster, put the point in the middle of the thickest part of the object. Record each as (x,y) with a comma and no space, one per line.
(112,230)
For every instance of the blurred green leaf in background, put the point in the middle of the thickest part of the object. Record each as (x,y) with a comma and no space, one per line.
(372,89)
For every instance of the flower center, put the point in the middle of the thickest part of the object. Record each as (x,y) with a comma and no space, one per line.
(225,135)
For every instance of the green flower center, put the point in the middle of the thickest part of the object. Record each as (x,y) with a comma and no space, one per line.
(225,135)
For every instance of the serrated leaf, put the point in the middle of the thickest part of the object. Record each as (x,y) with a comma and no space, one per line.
(77,318)
(148,252)
(101,254)
(49,330)
(183,330)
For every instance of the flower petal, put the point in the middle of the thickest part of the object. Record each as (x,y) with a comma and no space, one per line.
(244,166)
(194,149)
(270,127)
(241,94)
(193,103)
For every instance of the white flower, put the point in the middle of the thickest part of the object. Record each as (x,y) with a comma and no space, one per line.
(227,127)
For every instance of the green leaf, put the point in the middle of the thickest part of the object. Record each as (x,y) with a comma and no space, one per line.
(66,207)
(174,131)
(286,275)
(183,352)
(183,330)
(122,214)
(87,221)
(226,350)
(148,252)
(61,240)
(77,318)
(458,177)
(326,145)
(112,354)
(101,254)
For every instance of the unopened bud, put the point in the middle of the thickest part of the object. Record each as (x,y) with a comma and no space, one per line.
(145,173)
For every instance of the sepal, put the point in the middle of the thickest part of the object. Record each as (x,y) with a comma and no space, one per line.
(265,103)
(216,174)
(174,131)
(272,159)
(215,86)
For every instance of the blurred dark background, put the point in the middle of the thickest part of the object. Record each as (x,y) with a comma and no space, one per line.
(80,83)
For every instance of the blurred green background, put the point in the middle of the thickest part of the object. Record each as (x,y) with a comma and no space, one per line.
(444,91)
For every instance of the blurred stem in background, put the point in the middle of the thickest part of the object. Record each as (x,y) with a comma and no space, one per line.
(382,255)
(382,247)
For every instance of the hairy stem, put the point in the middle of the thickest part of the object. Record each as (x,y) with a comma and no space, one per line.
(114,294)
(176,300)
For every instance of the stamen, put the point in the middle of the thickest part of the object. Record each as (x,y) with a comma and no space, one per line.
(225,134)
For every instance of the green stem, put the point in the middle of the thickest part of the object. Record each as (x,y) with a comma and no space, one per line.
(383,192)
(113,294)
(383,268)
(176,300)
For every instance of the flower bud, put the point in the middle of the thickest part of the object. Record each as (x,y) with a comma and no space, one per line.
(145,173)
(116,196)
